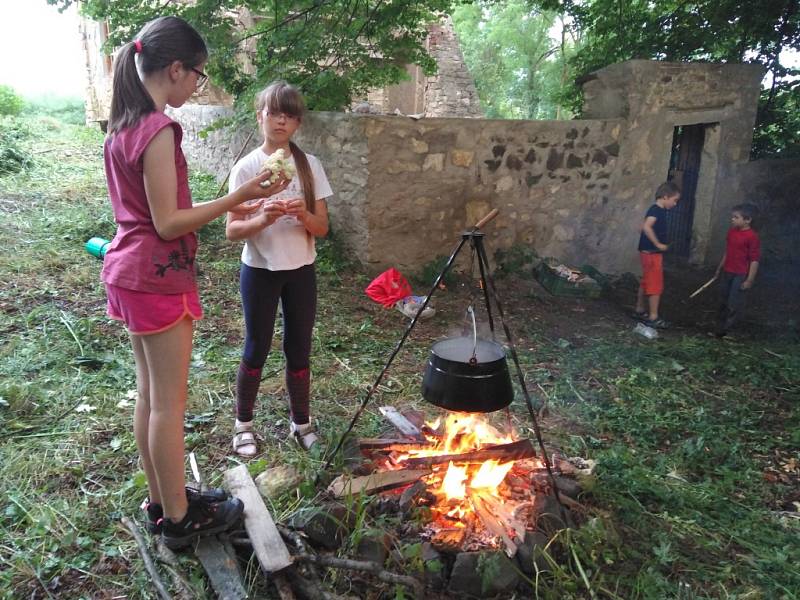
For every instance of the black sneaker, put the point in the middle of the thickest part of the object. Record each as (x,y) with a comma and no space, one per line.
(203,517)
(155,512)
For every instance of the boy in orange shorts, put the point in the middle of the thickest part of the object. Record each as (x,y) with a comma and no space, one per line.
(652,245)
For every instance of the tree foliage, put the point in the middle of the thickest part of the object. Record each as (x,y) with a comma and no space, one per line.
(700,30)
(516,65)
(334,50)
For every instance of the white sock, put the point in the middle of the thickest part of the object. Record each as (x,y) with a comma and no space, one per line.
(243,423)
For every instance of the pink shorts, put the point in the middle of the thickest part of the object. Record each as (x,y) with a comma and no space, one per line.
(144,313)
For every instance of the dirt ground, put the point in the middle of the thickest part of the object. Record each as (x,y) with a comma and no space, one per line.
(771,309)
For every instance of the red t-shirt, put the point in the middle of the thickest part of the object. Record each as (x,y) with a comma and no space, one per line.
(742,248)
(138,259)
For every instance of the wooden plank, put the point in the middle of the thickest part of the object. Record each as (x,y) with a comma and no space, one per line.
(390,445)
(375,482)
(405,426)
(221,568)
(218,560)
(501,452)
(267,542)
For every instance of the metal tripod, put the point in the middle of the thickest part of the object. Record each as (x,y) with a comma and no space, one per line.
(475,238)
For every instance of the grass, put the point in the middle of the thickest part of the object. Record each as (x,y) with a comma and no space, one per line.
(694,438)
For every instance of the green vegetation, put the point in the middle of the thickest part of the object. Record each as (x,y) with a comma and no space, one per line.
(335,50)
(519,70)
(696,440)
(727,31)
(11,103)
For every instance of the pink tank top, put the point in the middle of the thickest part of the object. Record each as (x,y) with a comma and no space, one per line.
(138,259)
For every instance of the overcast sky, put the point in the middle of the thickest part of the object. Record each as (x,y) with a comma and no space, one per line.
(40,49)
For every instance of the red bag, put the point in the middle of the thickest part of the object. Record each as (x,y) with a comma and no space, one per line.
(388,287)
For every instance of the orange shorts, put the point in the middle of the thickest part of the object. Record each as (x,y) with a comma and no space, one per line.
(652,273)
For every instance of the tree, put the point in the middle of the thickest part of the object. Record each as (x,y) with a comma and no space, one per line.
(334,50)
(701,30)
(516,65)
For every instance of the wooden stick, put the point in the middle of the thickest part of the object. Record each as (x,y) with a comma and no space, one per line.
(238,156)
(167,556)
(365,566)
(148,561)
(501,452)
(492,214)
(221,567)
(304,555)
(502,512)
(405,426)
(493,524)
(375,482)
(389,445)
(704,286)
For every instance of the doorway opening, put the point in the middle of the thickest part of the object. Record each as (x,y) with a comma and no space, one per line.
(684,170)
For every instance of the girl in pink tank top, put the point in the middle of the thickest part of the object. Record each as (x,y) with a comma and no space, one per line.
(149,269)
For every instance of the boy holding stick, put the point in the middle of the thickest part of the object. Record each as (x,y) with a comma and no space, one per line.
(738,266)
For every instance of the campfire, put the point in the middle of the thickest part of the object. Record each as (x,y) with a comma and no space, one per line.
(479,484)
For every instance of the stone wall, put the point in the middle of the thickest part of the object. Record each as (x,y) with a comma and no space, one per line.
(451,91)
(337,139)
(405,188)
(772,185)
(653,98)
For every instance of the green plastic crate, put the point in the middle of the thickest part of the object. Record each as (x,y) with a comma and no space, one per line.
(560,286)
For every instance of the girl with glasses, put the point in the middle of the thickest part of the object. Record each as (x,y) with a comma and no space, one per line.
(149,269)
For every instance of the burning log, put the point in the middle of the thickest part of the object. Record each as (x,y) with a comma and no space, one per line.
(390,445)
(405,426)
(368,484)
(501,453)
(449,540)
(493,524)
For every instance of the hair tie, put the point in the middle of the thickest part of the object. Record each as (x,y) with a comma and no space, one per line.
(138,45)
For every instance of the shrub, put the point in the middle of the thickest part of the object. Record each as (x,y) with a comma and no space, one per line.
(11,103)
(12,158)
(63,109)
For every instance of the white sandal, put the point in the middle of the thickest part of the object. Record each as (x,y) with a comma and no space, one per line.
(244,441)
(305,435)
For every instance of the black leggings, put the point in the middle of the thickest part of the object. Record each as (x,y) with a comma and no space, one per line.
(297,291)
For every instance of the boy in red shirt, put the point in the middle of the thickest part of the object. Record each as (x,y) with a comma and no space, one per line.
(738,266)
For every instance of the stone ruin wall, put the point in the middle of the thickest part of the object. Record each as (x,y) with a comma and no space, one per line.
(450,92)
(405,188)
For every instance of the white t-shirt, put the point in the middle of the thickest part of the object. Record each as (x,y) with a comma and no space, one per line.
(285,244)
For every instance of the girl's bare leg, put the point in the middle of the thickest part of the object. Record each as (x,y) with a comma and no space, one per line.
(167,355)
(141,417)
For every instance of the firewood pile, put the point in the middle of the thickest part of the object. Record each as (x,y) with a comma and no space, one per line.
(466,517)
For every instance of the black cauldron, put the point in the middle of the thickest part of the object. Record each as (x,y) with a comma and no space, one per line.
(468,375)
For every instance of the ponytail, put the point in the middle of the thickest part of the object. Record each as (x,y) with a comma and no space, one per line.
(130,100)
(305,175)
(161,42)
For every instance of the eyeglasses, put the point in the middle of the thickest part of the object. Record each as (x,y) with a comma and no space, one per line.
(201,77)
(281,115)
